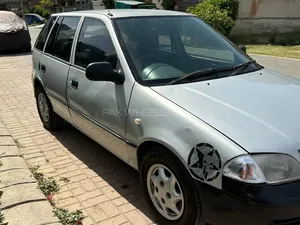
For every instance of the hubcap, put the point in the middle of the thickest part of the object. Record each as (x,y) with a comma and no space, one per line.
(165,192)
(43,107)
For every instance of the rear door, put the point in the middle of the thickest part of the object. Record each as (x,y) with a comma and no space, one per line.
(54,64)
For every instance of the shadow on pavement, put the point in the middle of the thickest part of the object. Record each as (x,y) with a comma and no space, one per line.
(120,176)
(14,54)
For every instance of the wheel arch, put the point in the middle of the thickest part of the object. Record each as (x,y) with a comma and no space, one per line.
(37,83)
(147,147)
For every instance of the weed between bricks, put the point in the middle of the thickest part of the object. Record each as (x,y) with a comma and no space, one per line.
(49,187)
(2,219)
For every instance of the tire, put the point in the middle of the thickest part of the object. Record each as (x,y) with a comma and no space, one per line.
(53,121)
(191,213)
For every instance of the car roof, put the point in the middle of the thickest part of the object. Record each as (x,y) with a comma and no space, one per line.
(131,2)
(34,14)
(123,13)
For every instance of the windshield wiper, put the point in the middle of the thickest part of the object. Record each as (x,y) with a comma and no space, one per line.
(199,73)
(240,68)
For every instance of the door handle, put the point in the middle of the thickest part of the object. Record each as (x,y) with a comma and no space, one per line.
(74,84)
(43,68)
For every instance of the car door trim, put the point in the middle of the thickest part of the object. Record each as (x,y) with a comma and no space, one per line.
(93,121)
(75,40)
(56,98)
(103,127)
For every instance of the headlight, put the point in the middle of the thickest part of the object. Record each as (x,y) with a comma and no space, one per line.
(261,168)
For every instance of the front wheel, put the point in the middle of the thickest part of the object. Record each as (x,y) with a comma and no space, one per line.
(170,189)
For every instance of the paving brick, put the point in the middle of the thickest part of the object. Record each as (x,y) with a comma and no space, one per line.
(78,178)
(88,221)
(119,220)
(96,213)
(67,201)
(94,201)
(107,182)
(106,222)
(60,158)
(6,140)
(127,223)
(47,170)
(73,185)
(33,155)
(96,179)
(49,155)
(26,151)
(87,195)
(39,160)
(90,173)
(119,201)
(65,194)
(110,192)
(74,207)
(62,162)
(78,192)
(130,206)
(135,217)
(88,185)
(39,141)
(109,209)
(3,131)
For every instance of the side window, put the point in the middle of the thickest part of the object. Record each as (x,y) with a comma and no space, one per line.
(44,33)
(64,39)
(52,36)
(94,44)
(35,19)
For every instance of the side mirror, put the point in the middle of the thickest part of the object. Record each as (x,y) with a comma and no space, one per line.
(103,71)
(243,48)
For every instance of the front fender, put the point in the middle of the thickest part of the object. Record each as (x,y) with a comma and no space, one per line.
(194,142)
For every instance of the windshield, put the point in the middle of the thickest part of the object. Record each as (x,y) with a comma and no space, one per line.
(160,49)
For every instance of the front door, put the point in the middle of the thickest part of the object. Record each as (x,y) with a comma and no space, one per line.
(98,108)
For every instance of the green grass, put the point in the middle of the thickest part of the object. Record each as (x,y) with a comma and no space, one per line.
(275,50)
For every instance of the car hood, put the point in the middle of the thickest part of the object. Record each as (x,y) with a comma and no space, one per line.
(260,111)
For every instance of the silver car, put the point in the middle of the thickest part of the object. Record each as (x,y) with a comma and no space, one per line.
(215,135)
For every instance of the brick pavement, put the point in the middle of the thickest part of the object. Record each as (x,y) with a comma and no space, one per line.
(102,186)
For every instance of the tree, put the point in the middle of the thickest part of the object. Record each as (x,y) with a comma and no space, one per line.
(43,8)
(168,4)
(46,3)
(211,12)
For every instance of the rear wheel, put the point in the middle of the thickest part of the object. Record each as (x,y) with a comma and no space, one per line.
(170,189)
(49,118)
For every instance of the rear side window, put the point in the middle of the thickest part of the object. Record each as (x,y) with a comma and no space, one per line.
(64,39)
(40,42)
(52,36)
